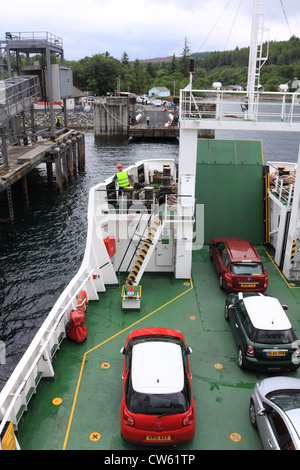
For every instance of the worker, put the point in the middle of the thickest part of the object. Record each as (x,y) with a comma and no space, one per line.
(122,178)
(148,120)
(57,121)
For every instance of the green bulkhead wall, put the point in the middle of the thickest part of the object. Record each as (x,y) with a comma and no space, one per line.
(229,183)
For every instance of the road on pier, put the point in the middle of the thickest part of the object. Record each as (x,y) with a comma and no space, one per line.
(156,128)
(158,117)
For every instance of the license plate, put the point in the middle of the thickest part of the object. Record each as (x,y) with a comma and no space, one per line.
(158,438)
(248,285)
(275,353)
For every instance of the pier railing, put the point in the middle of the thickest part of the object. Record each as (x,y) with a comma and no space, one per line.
(35,37)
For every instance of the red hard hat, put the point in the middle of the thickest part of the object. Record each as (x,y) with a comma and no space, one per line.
(120,165)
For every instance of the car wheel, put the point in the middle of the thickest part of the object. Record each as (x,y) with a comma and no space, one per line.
(226,313)
(252,414)
(221,281)
(241,361)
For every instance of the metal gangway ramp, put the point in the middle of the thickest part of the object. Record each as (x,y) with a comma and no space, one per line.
(17,95)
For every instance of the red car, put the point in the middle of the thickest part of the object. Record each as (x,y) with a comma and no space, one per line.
(157,402)
(238,265)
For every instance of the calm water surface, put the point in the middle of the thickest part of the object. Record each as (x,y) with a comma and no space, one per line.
(40,258)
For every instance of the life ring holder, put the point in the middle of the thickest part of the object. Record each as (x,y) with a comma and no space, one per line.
(82,301)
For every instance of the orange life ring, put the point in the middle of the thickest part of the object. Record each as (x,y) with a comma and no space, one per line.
(82,301)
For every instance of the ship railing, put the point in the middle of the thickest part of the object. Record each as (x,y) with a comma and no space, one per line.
(149,205)
(280,186)
(178,207)
(220,105)
(36,363)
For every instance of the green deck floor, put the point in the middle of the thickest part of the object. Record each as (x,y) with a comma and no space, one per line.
(88,376)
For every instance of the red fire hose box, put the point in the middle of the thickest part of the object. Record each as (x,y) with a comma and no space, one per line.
(110,244)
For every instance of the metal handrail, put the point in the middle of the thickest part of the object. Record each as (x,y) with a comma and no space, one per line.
(233,105)
(35,36)
(284,189)
(17,94)
(44,342)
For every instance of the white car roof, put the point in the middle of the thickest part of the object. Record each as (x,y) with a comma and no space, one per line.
(266,313)
(157,367)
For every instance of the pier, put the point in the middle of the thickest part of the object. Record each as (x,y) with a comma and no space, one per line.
(158,125)
(63,159)
(23,144)
(114,116)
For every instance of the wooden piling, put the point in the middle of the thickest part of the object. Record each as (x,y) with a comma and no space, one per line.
(25,188)
(49,166)
(64,163)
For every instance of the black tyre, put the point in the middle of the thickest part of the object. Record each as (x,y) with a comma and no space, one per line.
(252,414)
(241,360)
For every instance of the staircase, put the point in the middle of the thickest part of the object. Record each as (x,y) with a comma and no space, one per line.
(144,251)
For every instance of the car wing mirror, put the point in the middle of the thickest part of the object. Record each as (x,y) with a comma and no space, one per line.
(123,350)
(189,350)
(285,307)
(262,412)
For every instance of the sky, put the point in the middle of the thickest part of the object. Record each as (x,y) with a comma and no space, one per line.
(148,29)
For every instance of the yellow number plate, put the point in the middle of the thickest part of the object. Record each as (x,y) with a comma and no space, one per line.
(276,353)
(247,285)
(158,438)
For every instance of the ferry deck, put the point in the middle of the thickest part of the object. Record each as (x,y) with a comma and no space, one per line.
(88,384)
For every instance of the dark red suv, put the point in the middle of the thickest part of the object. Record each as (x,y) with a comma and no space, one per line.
(238,265)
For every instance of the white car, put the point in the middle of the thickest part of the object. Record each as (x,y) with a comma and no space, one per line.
(275,411)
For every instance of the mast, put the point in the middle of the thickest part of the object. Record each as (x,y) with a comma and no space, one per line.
(256,59)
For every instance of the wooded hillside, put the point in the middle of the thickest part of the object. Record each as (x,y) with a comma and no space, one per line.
(101,73)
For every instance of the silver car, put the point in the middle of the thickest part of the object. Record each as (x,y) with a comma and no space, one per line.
(275,411)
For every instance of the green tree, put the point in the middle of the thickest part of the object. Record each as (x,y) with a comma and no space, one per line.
(125,59)
(99,73)
(185,58)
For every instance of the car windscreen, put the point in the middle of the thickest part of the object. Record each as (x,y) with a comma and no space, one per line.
(158,403)
(246,269)
(166,403)
(285,399)
(274,336)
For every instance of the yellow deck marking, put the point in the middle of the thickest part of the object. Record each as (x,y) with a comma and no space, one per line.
(56,401)
(218,365)
(95,436)
(291,286)
(101,344)
(235,437)
(105,365)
